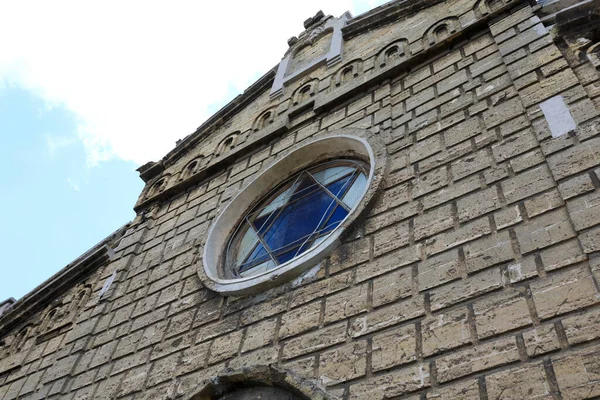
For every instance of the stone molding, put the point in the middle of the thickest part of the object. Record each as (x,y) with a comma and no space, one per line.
(56,285)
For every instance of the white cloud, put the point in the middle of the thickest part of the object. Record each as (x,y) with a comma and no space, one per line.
(54,143)
(139,75)
(73,185)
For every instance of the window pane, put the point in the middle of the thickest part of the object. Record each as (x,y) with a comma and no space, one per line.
(356,192)
(246,245)
(331,174)
(338,188)
(259,255)
(259,269)
(279,201)
(299,220)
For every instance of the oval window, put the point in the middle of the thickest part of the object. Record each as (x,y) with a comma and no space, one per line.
(294,217)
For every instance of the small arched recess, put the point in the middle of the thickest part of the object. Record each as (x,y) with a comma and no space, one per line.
(441,31)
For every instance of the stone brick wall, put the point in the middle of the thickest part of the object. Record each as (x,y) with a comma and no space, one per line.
(473,275)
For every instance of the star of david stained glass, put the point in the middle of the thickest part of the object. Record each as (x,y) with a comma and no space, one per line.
(295,216)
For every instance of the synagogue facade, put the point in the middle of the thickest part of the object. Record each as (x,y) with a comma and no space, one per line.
(406,207)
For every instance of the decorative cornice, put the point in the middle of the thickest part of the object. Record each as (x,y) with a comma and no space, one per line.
(383,15)
(60,282)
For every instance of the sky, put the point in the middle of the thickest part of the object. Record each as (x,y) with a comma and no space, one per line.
(89,91)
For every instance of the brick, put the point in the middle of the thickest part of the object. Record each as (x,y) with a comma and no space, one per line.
(585,211)
(429,182)
(447,60)
(343,363)
(563,292)
(300,320)
(544,230)
(452,81)
(349,255)
(265,356)
(527,382)
(387,316)
(477,204)
(463,131)
(543,202)
(395,215)
(388,262)
(578,374)
(464,289)
(433,221)
(548,87)
(346,304)
(523,39)
(576,186)
(468,390)
(485,64)
(541,340)
(393,348)
(500,313)
(391,238)
(392,384)
(438,270)
(465,233)
(445,331)
(524,269)
(470,164)
(534,61)
(393,286)
(425,148)
(488,251)
(503,112)
(527,184)
(590,240)
(309,342)
(162,369)
(477,358)
(582,328)
(514,145)
(450,193)
(259,335)
(420,98)
(561,255)
(225,347)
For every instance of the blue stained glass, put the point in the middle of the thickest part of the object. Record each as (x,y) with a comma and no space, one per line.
(307,186)
(299,220)
(338,188)
(336,218)
(259,255)
(262,223)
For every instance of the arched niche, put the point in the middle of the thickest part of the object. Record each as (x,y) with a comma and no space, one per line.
(81,298)
(485,7)
(264,119)
(348,72)
(159,186)
(393,53)
(259,380)
(441,31)
(305,91)
(191,168)
(227,144)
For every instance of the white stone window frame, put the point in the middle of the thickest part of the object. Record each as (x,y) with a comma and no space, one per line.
(352,143)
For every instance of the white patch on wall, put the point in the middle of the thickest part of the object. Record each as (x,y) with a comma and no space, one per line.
(558,116)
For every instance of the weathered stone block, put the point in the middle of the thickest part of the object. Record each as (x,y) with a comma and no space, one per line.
(541,340)
(525,382)
(578,374)
(445,331)
(343,363)
(464,289)
(502,312)
(563,292)
(392,384)
(396,347)
(478,358)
